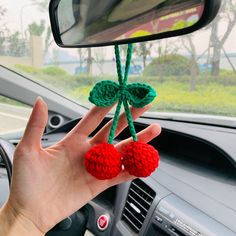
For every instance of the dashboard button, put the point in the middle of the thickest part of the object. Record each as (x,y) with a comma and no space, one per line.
(102,222)
(158,219)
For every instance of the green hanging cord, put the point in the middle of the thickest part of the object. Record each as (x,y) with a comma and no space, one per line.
(126,105)
(106,93)
(130,120)
(118,108)
(114,123)
(128,62)
(118,64)
(123,97)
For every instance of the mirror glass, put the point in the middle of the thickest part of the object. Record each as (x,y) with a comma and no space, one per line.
(91,22)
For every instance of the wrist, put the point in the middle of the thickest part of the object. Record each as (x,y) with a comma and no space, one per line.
(13,223)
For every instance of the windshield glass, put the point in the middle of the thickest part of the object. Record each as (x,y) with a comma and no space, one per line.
(193,74)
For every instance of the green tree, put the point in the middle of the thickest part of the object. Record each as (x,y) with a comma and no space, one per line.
(11,44)
(168,65)
(219,37)
(2,40)
(16,47)
(82,56)
(89,61)
(191,48)
(3,30)
(43,7)
(48,39)
(2,12)
(143,50)
(99,58)
(36,29)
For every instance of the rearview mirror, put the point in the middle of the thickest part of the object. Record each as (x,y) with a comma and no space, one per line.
(86,23)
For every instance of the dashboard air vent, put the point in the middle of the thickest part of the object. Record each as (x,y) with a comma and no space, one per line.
(139,200)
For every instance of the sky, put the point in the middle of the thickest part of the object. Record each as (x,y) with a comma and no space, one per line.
(22,12)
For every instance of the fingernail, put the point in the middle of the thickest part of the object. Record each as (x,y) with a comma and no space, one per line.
(39,98)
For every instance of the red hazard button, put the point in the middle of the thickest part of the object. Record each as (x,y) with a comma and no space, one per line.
(102,222)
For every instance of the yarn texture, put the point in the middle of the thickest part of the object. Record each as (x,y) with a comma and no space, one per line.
(103,161)
(107,92)
(140,159)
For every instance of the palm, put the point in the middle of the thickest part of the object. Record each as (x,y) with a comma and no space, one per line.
(44,180)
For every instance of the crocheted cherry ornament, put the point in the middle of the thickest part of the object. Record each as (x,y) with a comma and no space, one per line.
(103,161)
(140,159)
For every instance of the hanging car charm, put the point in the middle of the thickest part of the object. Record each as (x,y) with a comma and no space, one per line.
(139,159)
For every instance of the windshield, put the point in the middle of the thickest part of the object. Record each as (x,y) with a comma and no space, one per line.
(194,74)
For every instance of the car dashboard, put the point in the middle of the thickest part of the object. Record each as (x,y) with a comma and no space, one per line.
(192,193)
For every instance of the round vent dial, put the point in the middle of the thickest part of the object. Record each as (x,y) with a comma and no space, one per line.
(55,121)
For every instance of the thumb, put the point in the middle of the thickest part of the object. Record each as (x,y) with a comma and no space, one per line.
(36,124)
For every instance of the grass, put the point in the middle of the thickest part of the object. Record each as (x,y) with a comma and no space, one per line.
(213,95)
(207,99)
(215,99)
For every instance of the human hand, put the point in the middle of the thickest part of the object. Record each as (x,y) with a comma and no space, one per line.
(50,184)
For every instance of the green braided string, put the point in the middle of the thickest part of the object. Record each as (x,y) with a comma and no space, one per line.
(126,105)
(130,120)
(128,62)
(118,108)
(114,123)
(123,97)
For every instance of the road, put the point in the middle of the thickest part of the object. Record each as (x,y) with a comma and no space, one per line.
(13,118)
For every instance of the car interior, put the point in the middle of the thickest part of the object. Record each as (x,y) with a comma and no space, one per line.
(193,191)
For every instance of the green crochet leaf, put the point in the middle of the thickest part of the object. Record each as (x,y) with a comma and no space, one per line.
(104,93)
(139,95)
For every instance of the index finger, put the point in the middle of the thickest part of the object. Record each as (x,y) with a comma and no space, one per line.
(90,121)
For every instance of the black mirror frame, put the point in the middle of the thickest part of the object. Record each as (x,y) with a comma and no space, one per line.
(210,11)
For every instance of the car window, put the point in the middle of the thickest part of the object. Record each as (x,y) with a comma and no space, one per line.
(13,116)
(193,74)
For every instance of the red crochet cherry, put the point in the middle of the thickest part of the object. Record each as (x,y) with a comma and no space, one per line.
(103,161)
(140,159)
